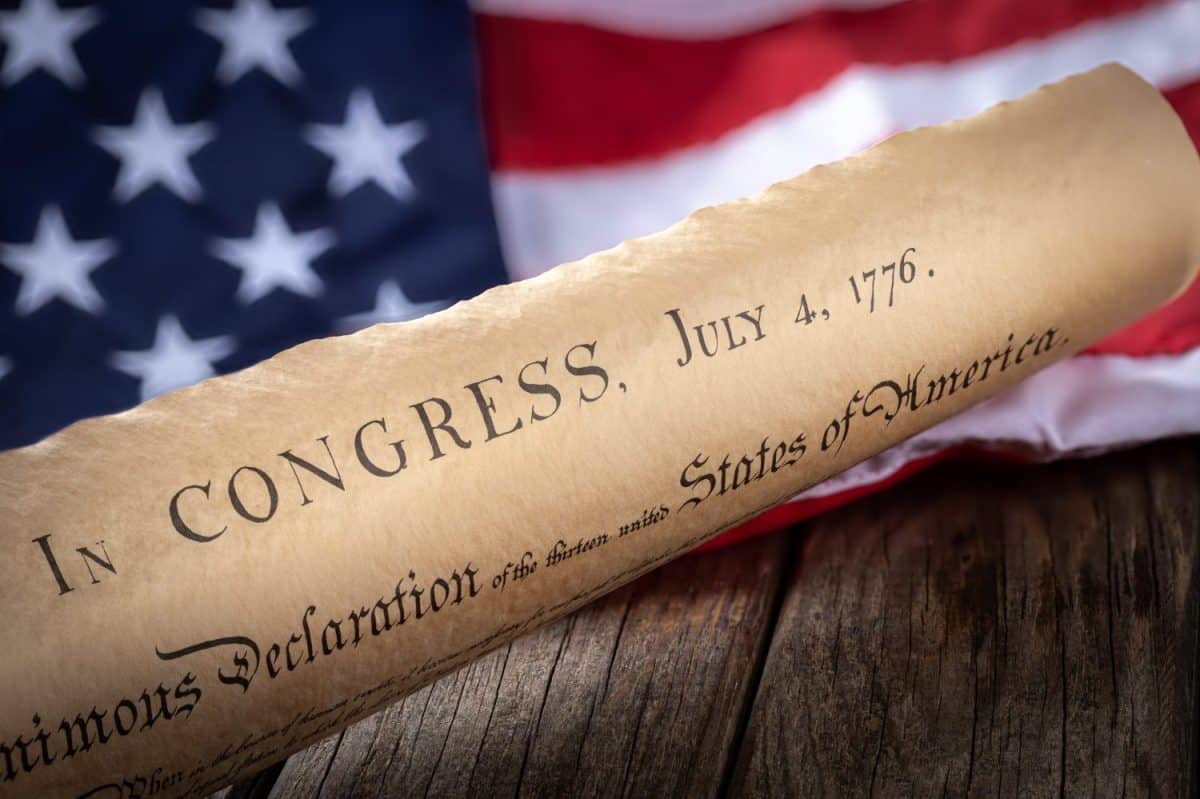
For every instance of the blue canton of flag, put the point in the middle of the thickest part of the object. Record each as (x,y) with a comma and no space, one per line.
(190,189)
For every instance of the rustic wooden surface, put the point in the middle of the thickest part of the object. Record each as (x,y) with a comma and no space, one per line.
(999,631)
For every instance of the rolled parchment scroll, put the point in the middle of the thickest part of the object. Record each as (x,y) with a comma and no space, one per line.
(200,586)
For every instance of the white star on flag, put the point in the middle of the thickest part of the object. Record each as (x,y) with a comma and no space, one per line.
(274,256)
(391,305)
(365,149)
(174,359)
(56,265)
(154,149)
(40,34)
(253,35)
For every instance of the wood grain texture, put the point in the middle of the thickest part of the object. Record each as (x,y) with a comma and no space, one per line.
(994,632)
(1019,631)
(643,693)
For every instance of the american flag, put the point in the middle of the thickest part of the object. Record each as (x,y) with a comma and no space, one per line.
(189,188)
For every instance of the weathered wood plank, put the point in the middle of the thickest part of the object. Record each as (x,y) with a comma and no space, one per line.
(642,693)
(1000,632)
(255,787)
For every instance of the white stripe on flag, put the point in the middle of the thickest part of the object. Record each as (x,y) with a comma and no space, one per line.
(673,19)
(548,218)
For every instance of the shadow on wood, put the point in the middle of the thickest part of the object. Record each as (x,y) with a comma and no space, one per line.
(977,630)
(642,693)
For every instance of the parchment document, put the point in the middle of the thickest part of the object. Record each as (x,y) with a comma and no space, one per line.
(202,585)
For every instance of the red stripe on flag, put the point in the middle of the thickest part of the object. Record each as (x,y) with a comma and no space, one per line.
(1186,102)
(562,94)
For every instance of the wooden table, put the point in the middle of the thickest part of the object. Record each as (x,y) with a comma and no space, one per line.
(985,630)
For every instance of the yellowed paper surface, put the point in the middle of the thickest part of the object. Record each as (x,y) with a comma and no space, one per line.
(202,585)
